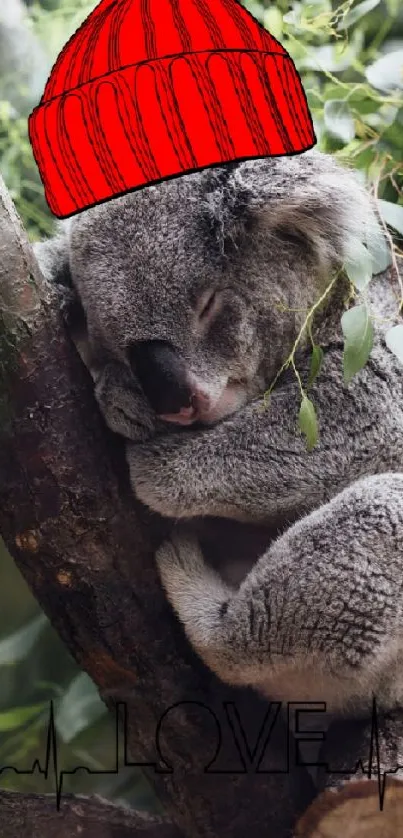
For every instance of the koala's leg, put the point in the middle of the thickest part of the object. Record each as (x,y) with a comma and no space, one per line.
(320,615)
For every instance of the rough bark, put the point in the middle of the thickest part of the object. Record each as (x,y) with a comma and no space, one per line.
(36,816)
(86,550)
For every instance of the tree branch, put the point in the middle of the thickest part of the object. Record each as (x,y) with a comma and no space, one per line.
(36,816)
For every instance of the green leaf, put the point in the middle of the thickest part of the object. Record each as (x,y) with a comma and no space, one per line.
(394,341)
(392,214)
(327,58)
(273,21)
(358,334)
(379,249)
(387,71)
(339,120)
(19,716)
(80,707)
(308,423)
(18,645)
(316,364)
(358,266)
(358,12)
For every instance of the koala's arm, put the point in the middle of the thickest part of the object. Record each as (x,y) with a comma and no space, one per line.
(255,466)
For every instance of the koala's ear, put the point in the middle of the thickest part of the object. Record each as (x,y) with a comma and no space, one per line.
(307,200)
(53,259)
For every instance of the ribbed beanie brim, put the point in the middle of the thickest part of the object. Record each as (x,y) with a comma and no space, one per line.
(151,89)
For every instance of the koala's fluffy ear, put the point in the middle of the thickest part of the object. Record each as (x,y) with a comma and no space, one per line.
(53,259)
(307,200)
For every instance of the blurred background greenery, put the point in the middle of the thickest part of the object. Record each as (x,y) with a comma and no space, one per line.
(350,58)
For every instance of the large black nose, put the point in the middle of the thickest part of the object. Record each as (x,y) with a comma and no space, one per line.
(162,374)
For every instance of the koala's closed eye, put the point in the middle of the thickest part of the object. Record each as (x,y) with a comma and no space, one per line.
(207,307)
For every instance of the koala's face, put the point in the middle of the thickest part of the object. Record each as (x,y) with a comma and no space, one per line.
(152,267)
(195,282)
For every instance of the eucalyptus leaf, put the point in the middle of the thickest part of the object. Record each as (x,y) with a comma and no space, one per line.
(392,214)
(379,249)
(358,334)
(80,707)
(327,57)
(387,72)
(18,645)
(273,21)
(358,12)
(19,716)
(358,266)
(339,120)
(394,341)
(316,364)
(308,423)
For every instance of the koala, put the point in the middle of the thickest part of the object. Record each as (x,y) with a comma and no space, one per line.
(192,294)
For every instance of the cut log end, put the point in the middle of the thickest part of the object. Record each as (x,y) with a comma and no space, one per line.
(355,812)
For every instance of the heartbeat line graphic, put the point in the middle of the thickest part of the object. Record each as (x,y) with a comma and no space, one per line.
(50,766)
(51,762)
(374,759)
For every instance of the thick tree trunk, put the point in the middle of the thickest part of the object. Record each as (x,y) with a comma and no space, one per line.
(221,760)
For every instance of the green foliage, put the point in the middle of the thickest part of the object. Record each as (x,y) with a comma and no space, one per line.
(392,214)
(20,643)
(79,707)
(316,364)
(394,340)
(308,423)
(358,334)
(17,164)
(359,267)
(35,667)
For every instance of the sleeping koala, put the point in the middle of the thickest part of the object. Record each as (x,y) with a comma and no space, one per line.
(193,292)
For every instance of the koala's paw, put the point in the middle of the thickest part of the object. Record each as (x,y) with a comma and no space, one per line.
(123,405)
(181,564)
(179,559)
(162,481)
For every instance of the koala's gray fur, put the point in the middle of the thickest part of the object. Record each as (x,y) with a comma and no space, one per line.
(319,617)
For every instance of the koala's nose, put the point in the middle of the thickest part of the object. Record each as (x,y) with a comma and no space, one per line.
(162,374)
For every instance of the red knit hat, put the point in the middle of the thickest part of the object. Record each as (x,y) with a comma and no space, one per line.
(149,89)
